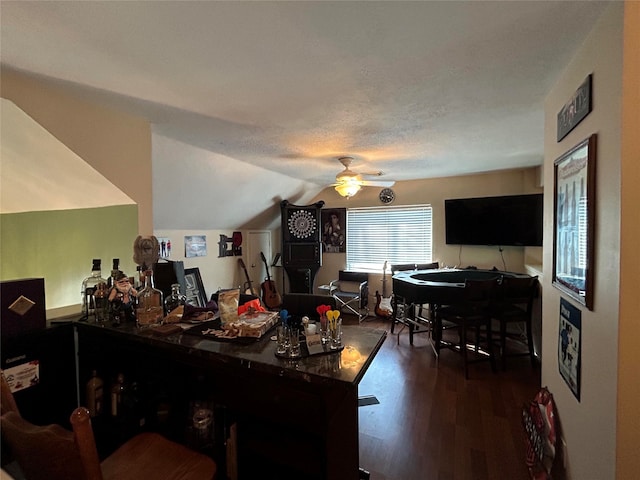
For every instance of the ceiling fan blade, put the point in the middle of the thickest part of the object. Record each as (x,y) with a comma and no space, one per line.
(367,183)
(378,183)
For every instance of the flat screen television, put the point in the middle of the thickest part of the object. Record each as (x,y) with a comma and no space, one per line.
(512,220)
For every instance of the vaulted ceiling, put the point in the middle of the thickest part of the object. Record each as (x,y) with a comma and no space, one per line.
(418,89)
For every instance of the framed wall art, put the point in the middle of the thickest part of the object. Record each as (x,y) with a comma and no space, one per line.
(194,289)
(570,346)
(195,246)
(334,230)
(573,236)
(574,111)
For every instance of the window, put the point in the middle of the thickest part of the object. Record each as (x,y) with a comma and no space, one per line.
(391,234)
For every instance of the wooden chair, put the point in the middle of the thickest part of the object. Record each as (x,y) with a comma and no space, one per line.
(54,453)
(514,304)
(473,313)
(410,315)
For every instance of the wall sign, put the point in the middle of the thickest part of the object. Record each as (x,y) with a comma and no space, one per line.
(574,111)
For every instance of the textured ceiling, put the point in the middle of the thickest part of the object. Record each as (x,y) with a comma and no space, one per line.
(415,89)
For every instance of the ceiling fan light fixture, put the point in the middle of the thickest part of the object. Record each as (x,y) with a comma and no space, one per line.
(348,189)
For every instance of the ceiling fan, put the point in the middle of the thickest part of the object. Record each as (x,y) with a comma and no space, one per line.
(348,182)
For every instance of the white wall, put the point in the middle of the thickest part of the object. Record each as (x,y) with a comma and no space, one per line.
(589,425)
(114,143)
(216,272)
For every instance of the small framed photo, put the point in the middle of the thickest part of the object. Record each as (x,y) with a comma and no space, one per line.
(194,289)
(573,236)
(195,246)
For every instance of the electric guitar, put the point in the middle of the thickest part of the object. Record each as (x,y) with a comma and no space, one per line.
(248,285)
(383,302)
(270,295)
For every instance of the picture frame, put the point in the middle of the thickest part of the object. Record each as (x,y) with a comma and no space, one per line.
(573,224)
(575,110)
(194,289)
(570,346)
(334,230)
(195,246)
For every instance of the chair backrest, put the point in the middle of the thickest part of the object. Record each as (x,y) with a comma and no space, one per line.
(517,291)
(359,277)
(401,267)
(306,303)
(428,266)
(47,452)
(480,294)
(355,282)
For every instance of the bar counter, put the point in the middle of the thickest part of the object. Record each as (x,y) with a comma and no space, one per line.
(296,418)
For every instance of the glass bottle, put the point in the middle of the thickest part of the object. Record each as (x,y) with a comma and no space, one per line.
(117,389)
(101,303)
(95,394)
(89,286)
(174,300)
(139,279)
(150,309)
(115,269)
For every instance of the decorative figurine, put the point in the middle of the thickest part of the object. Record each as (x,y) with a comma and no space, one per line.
(122,299)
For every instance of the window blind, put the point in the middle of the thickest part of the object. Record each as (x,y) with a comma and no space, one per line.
(391,234)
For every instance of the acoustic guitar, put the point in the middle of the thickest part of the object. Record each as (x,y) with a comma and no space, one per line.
(270,295)
(248,285)
(383,302)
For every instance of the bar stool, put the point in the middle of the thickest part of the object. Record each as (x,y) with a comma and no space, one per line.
(473,313)
(411,315)
(514,304)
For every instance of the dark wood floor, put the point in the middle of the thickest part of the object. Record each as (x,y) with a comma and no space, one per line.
(432,424)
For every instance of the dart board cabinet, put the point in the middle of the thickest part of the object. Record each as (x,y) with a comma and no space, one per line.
(301,244)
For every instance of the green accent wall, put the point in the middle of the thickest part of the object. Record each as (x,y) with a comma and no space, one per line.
(59,246)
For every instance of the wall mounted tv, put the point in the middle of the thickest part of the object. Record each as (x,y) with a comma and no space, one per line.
(513,220)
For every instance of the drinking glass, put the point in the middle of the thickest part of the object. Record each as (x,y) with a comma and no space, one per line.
(336,334)
(282,339)
(294,340)
(324,330)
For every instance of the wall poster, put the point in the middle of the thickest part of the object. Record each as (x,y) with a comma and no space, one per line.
(334,230)
(569,345)
(574,214)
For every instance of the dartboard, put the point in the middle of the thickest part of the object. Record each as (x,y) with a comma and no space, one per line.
(302,224)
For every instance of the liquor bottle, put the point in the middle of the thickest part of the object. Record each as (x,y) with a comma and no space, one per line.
(150,309)
(115,269)
(101,303)
(89,286)
(95,394)
(117,390)
(174,300)
(139,279)
(133,407)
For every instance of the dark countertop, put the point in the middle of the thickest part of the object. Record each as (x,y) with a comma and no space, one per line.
(346,367)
